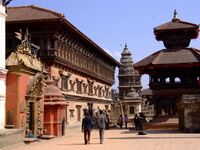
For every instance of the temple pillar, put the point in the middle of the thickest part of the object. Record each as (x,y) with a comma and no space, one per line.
(3,71)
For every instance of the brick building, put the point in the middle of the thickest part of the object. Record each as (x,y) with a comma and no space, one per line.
(80,69)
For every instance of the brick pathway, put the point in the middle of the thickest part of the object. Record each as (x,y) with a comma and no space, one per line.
(120,139)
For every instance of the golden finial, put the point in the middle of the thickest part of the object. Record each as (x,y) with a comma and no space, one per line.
(175,16)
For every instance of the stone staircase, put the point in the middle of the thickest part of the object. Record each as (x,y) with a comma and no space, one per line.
(162,122)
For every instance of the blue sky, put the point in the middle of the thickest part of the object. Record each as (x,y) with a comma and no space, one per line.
(112,23)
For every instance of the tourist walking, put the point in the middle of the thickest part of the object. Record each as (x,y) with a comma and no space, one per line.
(126,121)
(120,121)
(87,128)
(101,122)
(136,121)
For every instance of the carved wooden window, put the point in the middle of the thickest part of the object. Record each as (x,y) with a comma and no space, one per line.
(85,88)
(56,80)
(63,50)
(103,93)
(67,52)
(45,43)
(90,109)
(71,113)
(70,53)
(52,44)
(72,83)
(84,62)
(95,90)
(106,106)
(107,92)
(90,87)
(60,49)
(79,86)
(72,56)
(64,82)
(100,91)
(78,107)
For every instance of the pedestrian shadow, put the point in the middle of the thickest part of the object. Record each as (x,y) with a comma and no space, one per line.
(78,144)
(145,137)
(169,131)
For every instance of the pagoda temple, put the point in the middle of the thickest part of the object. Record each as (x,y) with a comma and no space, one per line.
(173,71)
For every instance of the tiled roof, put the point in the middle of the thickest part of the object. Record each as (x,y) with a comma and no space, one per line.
(176,25)
(31,12)
(170,57)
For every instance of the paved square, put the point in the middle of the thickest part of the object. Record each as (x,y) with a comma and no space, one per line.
(120,139)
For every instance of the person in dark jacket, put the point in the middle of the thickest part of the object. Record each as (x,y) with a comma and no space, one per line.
(136,121)
(87,128)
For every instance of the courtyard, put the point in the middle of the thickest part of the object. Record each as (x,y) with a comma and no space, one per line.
(119,139)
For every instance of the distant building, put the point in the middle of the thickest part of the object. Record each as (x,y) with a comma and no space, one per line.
(128,77)
(147,95)
(114,95)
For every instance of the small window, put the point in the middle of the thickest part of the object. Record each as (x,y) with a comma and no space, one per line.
(71,111)
(131,110)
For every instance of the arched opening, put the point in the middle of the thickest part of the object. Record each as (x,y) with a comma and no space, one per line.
(167,80)
(10,117)
(177,80)
(63,127)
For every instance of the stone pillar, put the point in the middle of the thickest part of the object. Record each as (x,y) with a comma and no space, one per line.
(3,71)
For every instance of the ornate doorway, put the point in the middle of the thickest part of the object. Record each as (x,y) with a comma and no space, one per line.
(33,109)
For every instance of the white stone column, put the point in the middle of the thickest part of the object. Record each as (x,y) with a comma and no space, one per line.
(3,71)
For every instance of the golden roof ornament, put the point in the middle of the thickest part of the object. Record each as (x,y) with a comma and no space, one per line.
(26,47)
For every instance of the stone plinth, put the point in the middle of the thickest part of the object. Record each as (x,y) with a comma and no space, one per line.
(10,137)
(189,112)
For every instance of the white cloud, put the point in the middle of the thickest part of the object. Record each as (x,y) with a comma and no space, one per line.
(116,55)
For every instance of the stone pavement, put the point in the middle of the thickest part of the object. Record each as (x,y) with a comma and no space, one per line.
(119,139)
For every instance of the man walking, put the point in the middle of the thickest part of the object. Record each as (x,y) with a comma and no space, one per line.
(86,128)
(101,122)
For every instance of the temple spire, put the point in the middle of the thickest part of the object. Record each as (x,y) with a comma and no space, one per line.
(125,45)
(175,16)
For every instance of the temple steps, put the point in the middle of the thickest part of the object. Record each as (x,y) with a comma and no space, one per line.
(162,122)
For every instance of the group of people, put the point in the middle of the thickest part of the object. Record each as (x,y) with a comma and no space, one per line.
(102,123)
(136,120)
